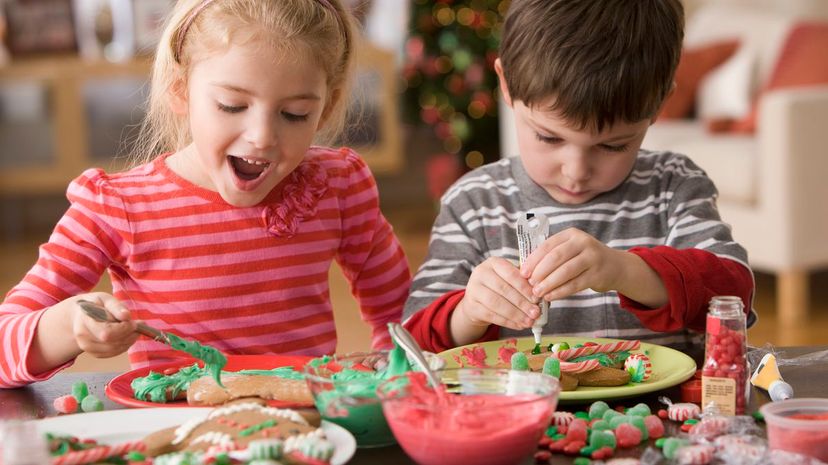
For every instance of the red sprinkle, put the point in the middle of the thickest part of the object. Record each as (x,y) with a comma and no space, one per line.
(170,371)
(686,427)
(662,414)
(542,456)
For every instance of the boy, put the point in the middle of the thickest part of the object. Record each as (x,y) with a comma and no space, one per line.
(636,247)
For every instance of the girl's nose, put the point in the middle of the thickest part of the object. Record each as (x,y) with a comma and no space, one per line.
(261,131)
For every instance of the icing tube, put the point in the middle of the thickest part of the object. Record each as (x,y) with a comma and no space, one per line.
(767,377)
(532,229)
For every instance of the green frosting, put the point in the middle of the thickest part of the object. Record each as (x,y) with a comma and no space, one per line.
(214,360)
(154,386)
(351,399)
(537,349)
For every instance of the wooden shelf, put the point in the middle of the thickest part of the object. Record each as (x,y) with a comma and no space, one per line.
(64,77)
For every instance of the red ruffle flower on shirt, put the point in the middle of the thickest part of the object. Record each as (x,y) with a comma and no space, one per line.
(300,195)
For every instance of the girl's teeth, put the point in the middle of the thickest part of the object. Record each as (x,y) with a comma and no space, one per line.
(255,162)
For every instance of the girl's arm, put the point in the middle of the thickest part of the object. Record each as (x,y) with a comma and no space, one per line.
(37,322)
(370,254)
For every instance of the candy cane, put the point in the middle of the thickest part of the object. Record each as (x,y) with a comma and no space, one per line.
(96,454)
(579,367)
(569,354)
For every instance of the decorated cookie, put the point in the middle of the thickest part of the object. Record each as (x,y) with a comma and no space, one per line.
(233,427)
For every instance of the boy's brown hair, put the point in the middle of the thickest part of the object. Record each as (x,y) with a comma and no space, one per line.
(603,61)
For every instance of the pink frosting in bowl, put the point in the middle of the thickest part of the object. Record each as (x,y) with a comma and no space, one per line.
(489,417)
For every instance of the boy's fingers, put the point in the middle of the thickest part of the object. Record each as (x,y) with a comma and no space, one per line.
(563,274)
(553,242)
(511,278)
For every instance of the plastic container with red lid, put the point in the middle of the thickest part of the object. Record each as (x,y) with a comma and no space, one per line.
(798,425)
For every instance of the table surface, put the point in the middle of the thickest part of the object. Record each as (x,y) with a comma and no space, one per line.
(35,401)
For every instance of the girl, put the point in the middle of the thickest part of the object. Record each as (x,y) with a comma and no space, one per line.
(228,236)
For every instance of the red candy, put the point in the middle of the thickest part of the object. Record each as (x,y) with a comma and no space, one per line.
(655,427)
(602,453)
(542,456)
(627,435)
(170,371)
(66,404)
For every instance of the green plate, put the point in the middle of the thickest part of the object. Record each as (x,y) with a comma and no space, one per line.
(670,367)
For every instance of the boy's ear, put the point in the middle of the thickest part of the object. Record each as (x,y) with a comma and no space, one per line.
(177,95)
(504,89)
(666,97)
(332,102)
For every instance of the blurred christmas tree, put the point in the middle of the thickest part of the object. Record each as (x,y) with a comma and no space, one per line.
(451,83)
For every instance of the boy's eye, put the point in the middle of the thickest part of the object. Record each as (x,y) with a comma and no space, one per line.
(292,117)
(548,139)
(230,108)
(614,148)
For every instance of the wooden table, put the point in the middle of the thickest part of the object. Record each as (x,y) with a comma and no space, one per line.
(35,401)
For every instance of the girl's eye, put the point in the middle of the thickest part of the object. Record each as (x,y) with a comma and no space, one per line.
(294,117)
(548,139)
(230,108)
(614,148)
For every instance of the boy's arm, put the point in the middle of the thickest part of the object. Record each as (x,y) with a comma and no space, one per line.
(692,277)
(431,326)
(699,260)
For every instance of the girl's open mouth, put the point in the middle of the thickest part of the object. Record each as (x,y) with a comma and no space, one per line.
(248,169)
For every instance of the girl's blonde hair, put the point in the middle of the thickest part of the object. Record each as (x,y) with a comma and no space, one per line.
(322,29)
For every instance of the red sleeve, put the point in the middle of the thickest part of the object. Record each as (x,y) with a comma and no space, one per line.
(692,277)
(431,325)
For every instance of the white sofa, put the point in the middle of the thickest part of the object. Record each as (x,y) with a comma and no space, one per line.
(772,184)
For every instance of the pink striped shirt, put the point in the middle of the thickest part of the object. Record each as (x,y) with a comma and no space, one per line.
(245,280)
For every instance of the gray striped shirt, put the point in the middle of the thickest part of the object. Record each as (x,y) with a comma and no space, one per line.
(666,200)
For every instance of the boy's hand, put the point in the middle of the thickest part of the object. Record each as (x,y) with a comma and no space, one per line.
(99,339)
(497,294)
(571,261)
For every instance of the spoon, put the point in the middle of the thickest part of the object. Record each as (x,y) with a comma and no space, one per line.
(101,314)
(405,340)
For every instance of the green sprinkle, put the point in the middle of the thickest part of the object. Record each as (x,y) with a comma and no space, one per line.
(551,431)
(690,421)
(757,415)
(581,461)
(660,442)
(135,456)
(536,350)
(558,436)
(582,415)
(256,428)
(587,451)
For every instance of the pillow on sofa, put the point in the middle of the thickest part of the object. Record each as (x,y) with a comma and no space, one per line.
(802,62)
(692,67)
(728,90)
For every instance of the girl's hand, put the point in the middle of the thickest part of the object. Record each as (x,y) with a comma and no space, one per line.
(569,262)
(497,294)
(102,340)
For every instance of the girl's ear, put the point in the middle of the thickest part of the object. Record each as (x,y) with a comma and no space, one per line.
(177,94)
(332,102)
(504,89)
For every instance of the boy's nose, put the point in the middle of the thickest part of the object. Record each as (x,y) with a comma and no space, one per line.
(577,167)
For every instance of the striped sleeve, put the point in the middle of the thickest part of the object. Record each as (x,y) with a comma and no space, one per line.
(370,254)
(81,246)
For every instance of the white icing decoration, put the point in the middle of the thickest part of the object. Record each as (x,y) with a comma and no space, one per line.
(215,437)
(276,412)
(186,428)
(293,443)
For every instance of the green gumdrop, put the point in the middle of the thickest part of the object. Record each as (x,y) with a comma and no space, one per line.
(91,404)
(660,442)
(638,411)
(597,409)
(552,367)
(587,451)
(79,391)
(520,362)
(602,438)
(671,445)
(610,414)
(601,424)
(615,421)
(644,408)
(638,422)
